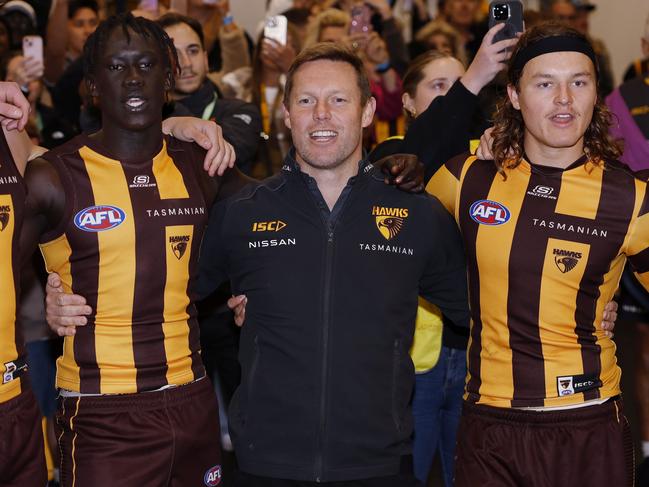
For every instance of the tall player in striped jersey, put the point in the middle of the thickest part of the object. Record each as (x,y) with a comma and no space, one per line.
(22,461)
(547,229)
(120,215)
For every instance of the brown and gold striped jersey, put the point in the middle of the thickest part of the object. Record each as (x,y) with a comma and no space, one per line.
(12,201)
(129,244)
(545,250)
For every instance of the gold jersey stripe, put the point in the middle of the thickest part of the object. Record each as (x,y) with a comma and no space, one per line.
(583,198)
(9,351)
(167,176)
(493,246)
(558,299)
(116,276)
(56,255)
(178,240)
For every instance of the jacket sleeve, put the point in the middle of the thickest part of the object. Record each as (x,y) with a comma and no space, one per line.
(444,280)
(212,264)
(443,129)
(241,125)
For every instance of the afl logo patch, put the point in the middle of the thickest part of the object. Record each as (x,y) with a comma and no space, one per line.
(213,476)
(487,212)
(99,218)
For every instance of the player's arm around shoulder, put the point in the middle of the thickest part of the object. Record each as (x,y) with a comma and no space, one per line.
(44,205)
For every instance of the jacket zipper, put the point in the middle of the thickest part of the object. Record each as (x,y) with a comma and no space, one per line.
(325,345)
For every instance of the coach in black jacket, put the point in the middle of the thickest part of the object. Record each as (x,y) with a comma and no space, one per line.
(332,261)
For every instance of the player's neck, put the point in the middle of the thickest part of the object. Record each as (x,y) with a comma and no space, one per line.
(560,157)
(131,144)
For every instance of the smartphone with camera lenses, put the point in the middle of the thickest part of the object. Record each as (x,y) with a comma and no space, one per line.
(510,13)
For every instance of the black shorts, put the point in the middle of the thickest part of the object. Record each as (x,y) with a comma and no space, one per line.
(22,457)
(583,447)
(153,439)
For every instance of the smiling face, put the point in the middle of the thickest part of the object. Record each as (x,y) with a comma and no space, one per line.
(556,96)
(438,77)
(326,116)
(130,81)
(191,57)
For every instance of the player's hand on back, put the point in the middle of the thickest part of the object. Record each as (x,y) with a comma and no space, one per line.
(238,305)
(404,171)
(64,311)
(220,154)
(608,318)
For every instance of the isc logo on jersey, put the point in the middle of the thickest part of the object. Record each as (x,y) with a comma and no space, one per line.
(99,218)
(487,212)
(213,476)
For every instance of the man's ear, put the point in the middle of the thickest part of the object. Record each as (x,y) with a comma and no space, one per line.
(287,117)
(513,96)
(368,112)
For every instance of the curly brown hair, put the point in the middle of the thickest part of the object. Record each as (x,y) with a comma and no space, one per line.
(509,127)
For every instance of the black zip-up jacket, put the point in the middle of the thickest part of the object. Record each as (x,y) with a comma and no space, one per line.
(332,299)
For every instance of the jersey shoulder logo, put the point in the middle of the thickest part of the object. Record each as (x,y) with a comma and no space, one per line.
(5,213)
(488,212)
(99,218)
(566,260)
(389,221)
(179,245)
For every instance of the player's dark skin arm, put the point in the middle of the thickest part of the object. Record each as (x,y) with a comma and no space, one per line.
(44,205)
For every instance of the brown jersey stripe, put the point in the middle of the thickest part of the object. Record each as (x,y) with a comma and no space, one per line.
(148,297)
(455,165)
(477,178)
(619,205)
(641,261)
(528,251)
(116,279)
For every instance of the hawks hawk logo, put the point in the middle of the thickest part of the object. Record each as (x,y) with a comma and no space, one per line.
(389,221)
(179,245)
(566,260)
(4,217)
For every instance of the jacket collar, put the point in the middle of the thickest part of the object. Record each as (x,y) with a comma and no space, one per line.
(291,166)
